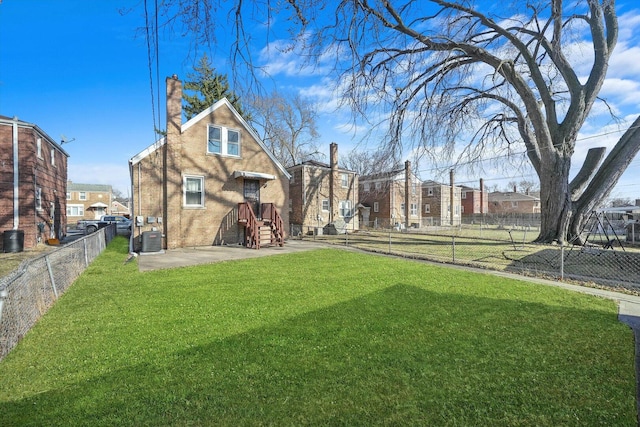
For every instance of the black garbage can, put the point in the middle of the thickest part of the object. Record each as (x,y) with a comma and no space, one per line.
(13,241)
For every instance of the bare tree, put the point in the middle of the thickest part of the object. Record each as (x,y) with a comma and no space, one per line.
(500,79)
(368,162)
(288,125)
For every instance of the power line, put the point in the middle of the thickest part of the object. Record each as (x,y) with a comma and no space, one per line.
(149,64)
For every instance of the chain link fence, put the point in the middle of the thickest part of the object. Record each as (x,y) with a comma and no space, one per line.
(28,292)
(604,261)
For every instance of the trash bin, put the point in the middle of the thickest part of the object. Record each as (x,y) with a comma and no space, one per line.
(13,241)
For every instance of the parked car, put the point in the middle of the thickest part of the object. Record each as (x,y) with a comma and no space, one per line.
(123,224)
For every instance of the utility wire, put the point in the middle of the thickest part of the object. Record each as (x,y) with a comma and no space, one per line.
(149,64)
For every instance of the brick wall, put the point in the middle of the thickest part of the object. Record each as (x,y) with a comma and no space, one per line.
(37,174)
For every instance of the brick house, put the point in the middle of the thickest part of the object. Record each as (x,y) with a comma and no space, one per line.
(88,201)
(513,203)
(120,207)
(390,198)
(209,181)
(436,199)
(474,201)
(33,177)
(321,195)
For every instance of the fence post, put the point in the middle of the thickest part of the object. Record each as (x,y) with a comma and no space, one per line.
(86,257)
(53,282)
(453,248)
(3,295)
(562,262)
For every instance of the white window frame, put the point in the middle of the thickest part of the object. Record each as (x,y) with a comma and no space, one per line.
(514,204)
(79,210)
(82,195)
(427,208)
(378,185)
(430,191)
(68,195)
(53,157)
(376,206)
(414,209)
(345,209)
(464,195)
(226,147)
(39,147)
(344,180)
(367,187)
(402,206)
(187,178)
(325,205)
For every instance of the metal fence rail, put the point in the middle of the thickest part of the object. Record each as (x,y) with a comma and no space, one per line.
(613,266)
(28,292)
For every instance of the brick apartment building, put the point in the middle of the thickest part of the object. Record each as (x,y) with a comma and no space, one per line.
(33,177)
(88,201)
(321,195)
(474,201)
(189,185)
(436,199)
(391,198)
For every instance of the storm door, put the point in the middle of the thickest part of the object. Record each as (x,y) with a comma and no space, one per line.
(252,194)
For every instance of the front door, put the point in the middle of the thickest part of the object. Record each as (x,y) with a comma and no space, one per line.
(252,194)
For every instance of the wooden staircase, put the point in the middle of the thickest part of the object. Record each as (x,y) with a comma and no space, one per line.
(268,230)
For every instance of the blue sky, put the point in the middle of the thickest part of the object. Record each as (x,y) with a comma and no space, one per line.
(77,68)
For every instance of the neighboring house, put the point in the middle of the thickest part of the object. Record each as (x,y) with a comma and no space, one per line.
(390,198)
(209,181)
(322,195)
(437,206)
(513,203)
(120,207)
(33,176)
(473,201)
(88,201)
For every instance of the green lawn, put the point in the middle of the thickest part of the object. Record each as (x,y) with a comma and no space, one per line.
(326,337)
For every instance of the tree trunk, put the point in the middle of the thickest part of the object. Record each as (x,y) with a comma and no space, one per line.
(605,179)
(555,200)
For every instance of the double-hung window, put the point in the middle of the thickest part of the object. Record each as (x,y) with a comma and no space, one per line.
(345,208)
(344,178)
(193,191)
(223,141)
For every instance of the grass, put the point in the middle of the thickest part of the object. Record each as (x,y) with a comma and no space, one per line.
(494,252)
(320,337)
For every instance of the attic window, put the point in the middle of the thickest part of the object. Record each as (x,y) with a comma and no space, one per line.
(221,140)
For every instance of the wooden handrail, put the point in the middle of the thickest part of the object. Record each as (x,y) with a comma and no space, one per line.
(246,214)
(270,213)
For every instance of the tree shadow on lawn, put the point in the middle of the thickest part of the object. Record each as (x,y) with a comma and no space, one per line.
(403,355)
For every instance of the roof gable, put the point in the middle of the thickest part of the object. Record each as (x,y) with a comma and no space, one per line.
(223,103)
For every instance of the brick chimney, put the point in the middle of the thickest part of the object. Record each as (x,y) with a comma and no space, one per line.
(334,180)
(173,165)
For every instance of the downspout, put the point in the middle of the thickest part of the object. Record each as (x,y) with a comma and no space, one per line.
(133,224)
(16,171)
